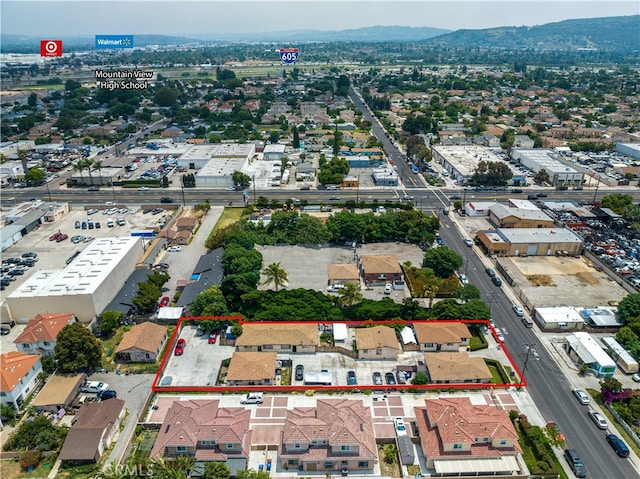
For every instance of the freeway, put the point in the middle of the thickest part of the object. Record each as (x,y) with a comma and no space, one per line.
(546,382)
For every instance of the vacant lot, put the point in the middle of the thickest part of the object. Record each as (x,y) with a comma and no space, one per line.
(550,281)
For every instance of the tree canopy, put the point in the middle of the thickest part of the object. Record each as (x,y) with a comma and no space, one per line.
(442,260)
(76,349)
(617,202)
(209,302)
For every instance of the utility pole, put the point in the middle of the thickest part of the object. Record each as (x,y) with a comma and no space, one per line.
(254,189)
(48,191)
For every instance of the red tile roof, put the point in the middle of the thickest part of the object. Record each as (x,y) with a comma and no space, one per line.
(44,327)
(13,367)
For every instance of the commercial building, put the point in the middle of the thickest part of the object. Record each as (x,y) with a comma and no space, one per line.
(274,152)
(560,318)
(461,162)
(560,173)
(18,376)
(530,241)
(84,287)
(216,163)
(384,177)
(503,216)
(584,350)
(629,149)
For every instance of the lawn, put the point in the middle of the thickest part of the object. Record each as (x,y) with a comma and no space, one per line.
(386,469)
(228,217)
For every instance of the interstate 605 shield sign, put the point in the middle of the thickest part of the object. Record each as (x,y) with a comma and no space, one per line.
(289,55)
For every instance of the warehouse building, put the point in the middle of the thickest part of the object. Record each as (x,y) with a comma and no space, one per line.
(461,161)
(530,241)
(216,163)
(560,173)
(84,287)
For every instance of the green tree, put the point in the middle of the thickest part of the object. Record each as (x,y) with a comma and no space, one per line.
(468,292)
(49,364)
(445,309)
(37,434)
(76,349)
(216,470)
(210,302)
(420,378)
(233,286)
(625,336)
(273,273)
(442,260)
(541,177)
(631,214)
(296,137)
(240,179)
(146,299)
(98,165)
(165,96)
(345,225)
(110,322)
(474,309)
(30,459)
(252,474)
(336,141)
(350,295)
(617,202)
(629,308)
(32,100)
(238,260)
(165,182)
(34,175)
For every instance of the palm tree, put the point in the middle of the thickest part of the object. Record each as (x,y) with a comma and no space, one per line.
(88,164)
(98,166)
(22,154)
(276,275)
(350,295)
(79,166)
(430,292)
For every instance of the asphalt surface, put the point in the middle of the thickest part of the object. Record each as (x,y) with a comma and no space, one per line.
(546,382)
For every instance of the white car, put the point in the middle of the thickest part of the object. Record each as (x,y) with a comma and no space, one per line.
(252,398)
(401,428)
(468,242)
(599,419)
(174,249)
(518,310)
(381,209)
(582,396)
(463,278)
(93,387)
(387,288)
(143,188)
(636,377)
(231,188)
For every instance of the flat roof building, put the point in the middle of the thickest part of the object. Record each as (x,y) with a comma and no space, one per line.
(560,318)
(217,162)
(560,173)
(84,287)
(583,349)
(530,241)
(461,161)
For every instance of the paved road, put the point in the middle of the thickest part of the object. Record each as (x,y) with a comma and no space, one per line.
(546,381)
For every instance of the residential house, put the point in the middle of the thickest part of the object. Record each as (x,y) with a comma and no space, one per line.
(442,335)
(172,132)
(94,429)
(187,223)
(39,335)
(252,369)
(336,435)
(456,367)
(379,342)
(305,171)
(18,376)
(59,392)
(202,429)
(142,343)
(175,237)
(282,338)
(460,438)
(342,274)
(380,269)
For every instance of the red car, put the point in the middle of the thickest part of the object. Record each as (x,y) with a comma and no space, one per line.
(180,347)
(164,302)
(61,237)
(213,337)
(54,236)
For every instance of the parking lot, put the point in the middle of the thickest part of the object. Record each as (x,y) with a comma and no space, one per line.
(52,254)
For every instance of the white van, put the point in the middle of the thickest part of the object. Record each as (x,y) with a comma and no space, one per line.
(93,387)
(110,223)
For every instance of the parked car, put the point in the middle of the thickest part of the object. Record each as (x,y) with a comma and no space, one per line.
(30,255)
(618,445)
(468,242)
(390,379)
(401,428)
(351,378)
(518,310)
(463,278)
(213,337)
(252,398)
(107,394)
(299,372)
(143,188)
(636,377)
(599,419)
(496,280)
(388,288)
(179,350)
(490,272)
(93,188)
(377,378)
(62,237)
(77,225)
(581,396)
(164,301)
(407,198)
(440,241)
(93,387)
(575,463)
(174,249)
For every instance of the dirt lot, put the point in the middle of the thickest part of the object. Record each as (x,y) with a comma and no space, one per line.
(306,267)
(550,281)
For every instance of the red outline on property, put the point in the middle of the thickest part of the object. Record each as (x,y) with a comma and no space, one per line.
(426,387)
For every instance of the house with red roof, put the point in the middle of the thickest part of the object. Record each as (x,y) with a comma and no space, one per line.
(40,333)
(463,439)
(206,431)
(18,377)
(336,435)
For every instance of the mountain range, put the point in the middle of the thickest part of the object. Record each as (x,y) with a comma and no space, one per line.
(607,33)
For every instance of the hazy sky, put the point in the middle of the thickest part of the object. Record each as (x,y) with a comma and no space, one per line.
(86,17)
